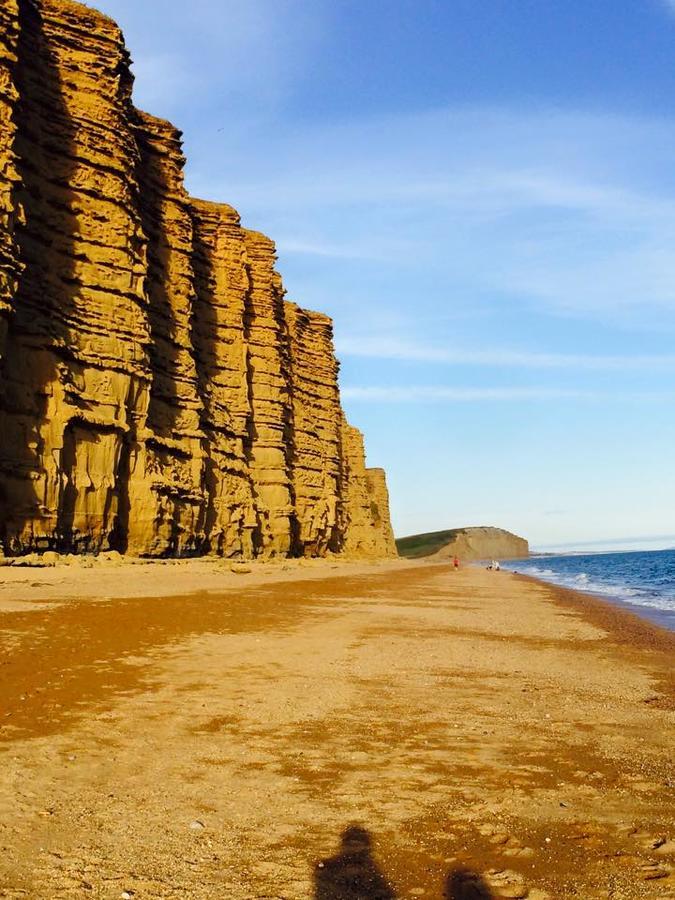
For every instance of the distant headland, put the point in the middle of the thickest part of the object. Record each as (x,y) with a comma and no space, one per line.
(470,543)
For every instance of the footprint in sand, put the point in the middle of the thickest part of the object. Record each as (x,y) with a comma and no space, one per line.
(654,871)
(589,834)
(664,848)
(508,844)
(655,843)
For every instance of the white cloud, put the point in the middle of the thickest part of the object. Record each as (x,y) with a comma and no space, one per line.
(569,213)
(216,56)
(460,395)
(431,393)
(159,76)
(393,348)
(308,247)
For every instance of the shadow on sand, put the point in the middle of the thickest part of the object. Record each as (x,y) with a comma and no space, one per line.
(463,884)
(353,874)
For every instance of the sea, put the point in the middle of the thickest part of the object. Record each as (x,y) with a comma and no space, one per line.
(643,581)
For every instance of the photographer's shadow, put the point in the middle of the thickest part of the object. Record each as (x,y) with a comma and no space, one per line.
(352,874)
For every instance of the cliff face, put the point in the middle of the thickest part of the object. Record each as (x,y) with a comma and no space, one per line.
(316,461)
(368,532)
(157,393)
(468,544)
(485,543)
(379,509)
(9,257)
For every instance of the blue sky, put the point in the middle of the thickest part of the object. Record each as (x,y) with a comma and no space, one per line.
(482,195)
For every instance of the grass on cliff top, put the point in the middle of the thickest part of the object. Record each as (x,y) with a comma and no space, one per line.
(425,544)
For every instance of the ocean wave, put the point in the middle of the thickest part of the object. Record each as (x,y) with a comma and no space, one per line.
(658,595)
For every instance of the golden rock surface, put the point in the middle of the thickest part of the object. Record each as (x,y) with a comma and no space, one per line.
(158,396)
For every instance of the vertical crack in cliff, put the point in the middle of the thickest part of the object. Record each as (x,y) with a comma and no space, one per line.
(174,440)
(220,339)
(157,393)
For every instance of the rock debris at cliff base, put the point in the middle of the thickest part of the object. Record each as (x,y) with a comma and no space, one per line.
(158,396)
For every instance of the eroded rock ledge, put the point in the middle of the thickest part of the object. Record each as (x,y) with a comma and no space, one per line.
(158,396)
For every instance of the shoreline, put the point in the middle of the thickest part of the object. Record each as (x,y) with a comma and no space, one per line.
(664,618)
(620,619)
(624,628)
(23,586)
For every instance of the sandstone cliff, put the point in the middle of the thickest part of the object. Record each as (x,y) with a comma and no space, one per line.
(468,544)
(157,393)
(366,510)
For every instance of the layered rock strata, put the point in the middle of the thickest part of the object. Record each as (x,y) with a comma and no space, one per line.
(221,355)
(379,510)
(10,211)
(271,430)
(366,509)
(318,466)
(157,393)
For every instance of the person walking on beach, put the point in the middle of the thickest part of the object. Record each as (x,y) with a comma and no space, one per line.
(455,562)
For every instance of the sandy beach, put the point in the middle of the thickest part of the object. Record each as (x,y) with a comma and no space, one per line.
(184,730)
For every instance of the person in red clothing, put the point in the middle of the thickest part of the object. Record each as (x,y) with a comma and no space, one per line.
(455,562)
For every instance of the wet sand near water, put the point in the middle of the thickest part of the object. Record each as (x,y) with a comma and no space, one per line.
(217,744)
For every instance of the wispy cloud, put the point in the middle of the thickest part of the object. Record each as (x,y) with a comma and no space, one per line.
(566,213)
(205,59)
(426,393)
(375,347)
(432,394)
(309,247)
(160,76)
